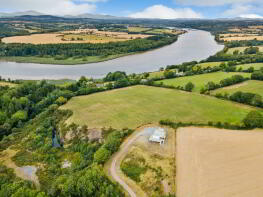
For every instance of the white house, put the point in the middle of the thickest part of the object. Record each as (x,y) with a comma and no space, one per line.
(159,136)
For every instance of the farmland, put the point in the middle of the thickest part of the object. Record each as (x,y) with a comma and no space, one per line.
(219,162)
(241,49)
(2,83)
(234,37)
(88,36)
(209,64)
(200,80)
(139,105)
(251,86)
(256,66)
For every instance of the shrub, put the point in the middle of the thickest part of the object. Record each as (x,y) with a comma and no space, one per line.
(189,87)
(254,119)
(102,155)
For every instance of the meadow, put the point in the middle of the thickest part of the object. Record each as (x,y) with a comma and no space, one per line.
(200,80)
(241,49)
(256,66)
(139,105)
(209,64)
(251,86)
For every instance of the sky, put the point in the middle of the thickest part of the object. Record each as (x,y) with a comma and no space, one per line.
(164,9)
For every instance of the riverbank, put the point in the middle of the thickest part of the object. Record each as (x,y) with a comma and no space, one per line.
(68,61)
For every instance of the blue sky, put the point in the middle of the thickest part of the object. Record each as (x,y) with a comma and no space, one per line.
(142,8)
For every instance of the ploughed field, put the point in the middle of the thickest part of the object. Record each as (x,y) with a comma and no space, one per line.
(219,163)
(200,80)
(255,87)
(138,105)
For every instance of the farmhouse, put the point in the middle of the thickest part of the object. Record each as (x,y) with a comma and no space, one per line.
(159,136)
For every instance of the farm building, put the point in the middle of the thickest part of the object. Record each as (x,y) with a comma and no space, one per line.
(159,136)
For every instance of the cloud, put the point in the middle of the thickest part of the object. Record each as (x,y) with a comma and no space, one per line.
(251,16)
(56,7)
(163,12)
(215,2)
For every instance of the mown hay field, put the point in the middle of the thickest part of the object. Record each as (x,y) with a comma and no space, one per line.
(139,105)
(92,36)
(215,162)
(201,80)
(239,37)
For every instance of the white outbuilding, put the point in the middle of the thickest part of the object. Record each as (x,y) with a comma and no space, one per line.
(158,136)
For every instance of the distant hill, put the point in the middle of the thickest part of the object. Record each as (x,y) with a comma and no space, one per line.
(26,13)
(34,13)
(96,16)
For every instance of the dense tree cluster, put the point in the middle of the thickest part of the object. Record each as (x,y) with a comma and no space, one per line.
(111,145)
(17,105)
(64,51)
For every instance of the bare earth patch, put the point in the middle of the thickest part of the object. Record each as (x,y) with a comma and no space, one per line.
(25,172)
(219,163)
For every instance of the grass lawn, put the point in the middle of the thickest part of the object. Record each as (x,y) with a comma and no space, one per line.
(241,49)
(138,105)
(201,80)
(252,86)
(256,66)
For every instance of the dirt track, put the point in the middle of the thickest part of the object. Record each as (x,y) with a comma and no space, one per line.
(219,163)
(115,164)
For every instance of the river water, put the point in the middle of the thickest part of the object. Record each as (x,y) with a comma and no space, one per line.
(194,45)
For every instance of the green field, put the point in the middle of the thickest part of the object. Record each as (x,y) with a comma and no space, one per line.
(138,29)
(241,49)
(159,74)
(138,105)
(209,64)
(252,86)
(68,61)
(201,80)
(256,66)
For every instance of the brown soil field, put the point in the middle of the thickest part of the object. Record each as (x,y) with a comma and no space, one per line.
(86,35)
(219,163)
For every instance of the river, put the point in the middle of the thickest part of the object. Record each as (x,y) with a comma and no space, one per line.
(194,45)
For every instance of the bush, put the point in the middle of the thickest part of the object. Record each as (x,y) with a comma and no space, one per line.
(133,169)
(61,100)
(189,87)
(102,155)
(254,119)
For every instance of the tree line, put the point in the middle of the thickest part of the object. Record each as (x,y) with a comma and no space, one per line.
(84,50)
